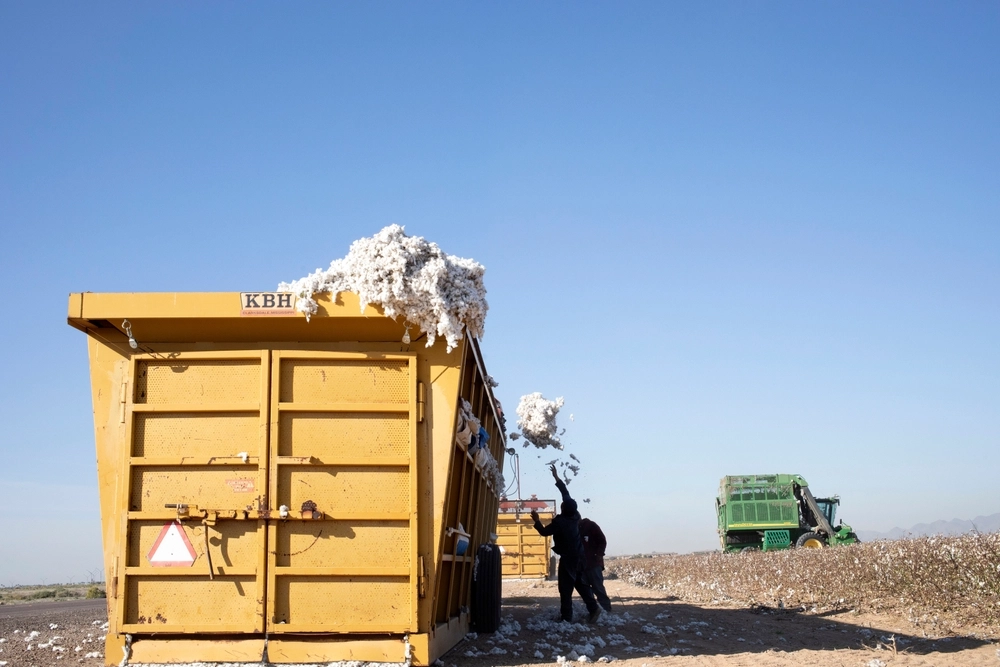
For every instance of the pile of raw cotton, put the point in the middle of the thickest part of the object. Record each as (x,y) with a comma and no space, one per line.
(536,417)
(408,277)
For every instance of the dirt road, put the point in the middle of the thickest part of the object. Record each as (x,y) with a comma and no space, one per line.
(54,607)
(645,628)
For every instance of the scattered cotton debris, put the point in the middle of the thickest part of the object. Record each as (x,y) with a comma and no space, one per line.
(409,278)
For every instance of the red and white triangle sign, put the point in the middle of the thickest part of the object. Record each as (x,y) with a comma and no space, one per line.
(172,548)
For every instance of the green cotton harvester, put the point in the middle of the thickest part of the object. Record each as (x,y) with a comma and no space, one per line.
(769,512)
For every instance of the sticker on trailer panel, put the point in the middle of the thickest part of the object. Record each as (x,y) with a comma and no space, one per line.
(267,304)
(241,485)
(172,548)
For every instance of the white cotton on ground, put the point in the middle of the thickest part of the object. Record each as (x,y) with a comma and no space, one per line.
(408,277)
(536,418)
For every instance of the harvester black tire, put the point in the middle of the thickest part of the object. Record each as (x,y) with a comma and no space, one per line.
(810,541)
(486,590)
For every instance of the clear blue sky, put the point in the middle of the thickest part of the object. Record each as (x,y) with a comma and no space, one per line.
(736,237)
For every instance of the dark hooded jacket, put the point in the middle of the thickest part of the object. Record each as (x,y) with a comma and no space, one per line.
(565,530)
(594,544)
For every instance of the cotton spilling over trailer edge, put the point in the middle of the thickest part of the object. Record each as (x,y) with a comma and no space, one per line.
(272,487)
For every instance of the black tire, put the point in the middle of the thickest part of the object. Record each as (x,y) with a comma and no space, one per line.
(486,590)
(747,550)
(810,541)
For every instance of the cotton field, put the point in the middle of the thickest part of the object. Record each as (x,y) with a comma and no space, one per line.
(934,581)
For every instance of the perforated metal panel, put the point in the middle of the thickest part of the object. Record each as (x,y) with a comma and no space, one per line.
(160,604)
(198,381)
(342,604)
(193,436)
(346,490)
(333,436)
(346,544)
(222,487)
(345,381)
(343,442)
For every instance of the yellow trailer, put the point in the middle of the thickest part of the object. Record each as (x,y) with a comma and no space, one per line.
(525,553)
(282,488)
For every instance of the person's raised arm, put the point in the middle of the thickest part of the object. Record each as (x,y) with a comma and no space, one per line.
(561,485)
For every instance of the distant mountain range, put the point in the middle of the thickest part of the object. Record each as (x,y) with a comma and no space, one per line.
(984,524)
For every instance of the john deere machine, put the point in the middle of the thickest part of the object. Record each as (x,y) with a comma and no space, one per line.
(769,512)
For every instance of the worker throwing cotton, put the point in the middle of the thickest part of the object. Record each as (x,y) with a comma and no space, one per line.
(566,542)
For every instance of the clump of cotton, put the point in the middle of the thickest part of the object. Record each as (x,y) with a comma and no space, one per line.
(536,417)
(408,277)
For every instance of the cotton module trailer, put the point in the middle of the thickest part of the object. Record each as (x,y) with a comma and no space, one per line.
(272,487)
(770,512)
(525,552)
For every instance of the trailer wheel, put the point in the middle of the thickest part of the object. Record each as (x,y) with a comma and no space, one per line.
(810,541)
(486,590)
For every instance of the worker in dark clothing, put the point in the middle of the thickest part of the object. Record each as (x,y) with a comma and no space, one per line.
(594,544)
(566,542)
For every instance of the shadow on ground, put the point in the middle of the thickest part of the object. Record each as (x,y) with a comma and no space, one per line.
(647,627)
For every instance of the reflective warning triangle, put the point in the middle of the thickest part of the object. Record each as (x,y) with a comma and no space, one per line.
(172,548)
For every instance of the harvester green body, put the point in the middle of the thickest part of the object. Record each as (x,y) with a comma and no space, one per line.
(769,512)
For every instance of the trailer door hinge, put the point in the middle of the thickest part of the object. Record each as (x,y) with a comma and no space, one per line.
(421,578)
(421,401)
(122,400)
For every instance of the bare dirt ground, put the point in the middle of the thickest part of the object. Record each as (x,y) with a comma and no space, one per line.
(646,627)
(52,632)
